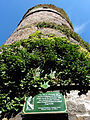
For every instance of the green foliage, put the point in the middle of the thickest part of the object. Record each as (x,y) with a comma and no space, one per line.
(64,29)
(45,85)
(29,65)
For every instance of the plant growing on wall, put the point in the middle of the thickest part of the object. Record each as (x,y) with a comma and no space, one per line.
(35,63)
(64,29)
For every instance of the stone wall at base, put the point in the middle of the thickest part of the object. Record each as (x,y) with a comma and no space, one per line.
(78,106)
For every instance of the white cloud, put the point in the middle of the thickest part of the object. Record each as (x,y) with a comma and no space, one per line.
(80,28)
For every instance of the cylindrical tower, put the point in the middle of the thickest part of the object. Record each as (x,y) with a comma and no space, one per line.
(48,15)
(48,19)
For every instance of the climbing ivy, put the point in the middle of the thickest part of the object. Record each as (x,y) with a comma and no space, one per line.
(64,29)
(36,63)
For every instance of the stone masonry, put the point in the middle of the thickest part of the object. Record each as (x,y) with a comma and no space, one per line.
(27,25)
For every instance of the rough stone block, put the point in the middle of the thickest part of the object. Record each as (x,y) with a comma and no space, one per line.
(12,119)
(72,117)
(81,108)
(18,116)
(4,119)
(72,107)
(84,118)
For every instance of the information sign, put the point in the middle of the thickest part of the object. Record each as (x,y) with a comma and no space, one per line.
(49,102)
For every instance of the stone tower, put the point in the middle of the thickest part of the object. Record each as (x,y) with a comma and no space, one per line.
(48,19)
(52,20)
(45,15)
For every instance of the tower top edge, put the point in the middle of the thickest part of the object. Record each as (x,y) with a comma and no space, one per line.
(60,10)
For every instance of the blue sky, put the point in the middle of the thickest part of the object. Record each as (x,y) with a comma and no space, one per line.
(12,11)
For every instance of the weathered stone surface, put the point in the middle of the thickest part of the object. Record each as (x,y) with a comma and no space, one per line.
(81,109)
(18,116)
(84,118)
(25,32)
(27,25)
(72,107)
(52,31)
(12,119)
(42,16)
(87,118)
(20,34)
(80,118)
(78,105)
(76,108)
(72,117)
(4,119)
(40,9)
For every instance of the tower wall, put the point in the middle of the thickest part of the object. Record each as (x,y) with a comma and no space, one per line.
(27,25)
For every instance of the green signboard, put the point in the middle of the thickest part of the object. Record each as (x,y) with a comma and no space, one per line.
(49,102)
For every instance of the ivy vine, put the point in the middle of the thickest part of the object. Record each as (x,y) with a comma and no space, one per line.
(29,65)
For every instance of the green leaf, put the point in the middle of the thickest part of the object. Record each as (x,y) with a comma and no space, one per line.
(45,85)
